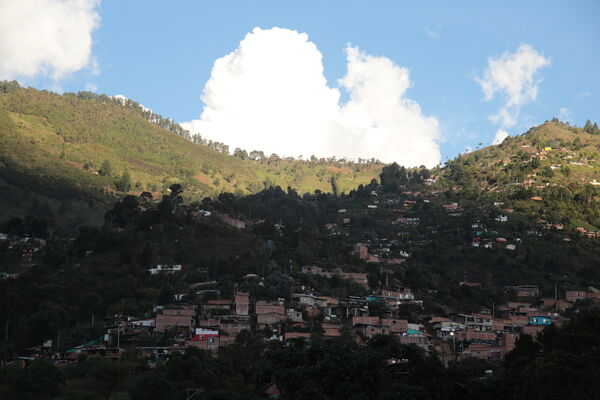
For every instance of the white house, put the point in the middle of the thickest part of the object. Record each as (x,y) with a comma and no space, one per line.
(167,269)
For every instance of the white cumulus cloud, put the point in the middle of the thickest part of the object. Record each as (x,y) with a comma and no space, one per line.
(513,76)
(501,134)
(50,37)
(271,94)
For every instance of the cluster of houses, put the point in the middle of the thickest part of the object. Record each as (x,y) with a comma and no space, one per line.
(588,233)
(214,322)
(356,277)
(491,334)
(197,213)
(24,247)
(165,269)
(481,237)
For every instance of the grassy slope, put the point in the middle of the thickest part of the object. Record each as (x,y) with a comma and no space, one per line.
(569,145)
(574,155)
(46,139)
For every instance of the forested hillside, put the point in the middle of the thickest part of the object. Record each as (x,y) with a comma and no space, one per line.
(72,154)
(552,170)
(359,274)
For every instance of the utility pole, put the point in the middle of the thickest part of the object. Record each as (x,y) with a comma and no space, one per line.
(58,342)
(453,334)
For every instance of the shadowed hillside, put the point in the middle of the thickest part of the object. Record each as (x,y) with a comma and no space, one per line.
(73,152)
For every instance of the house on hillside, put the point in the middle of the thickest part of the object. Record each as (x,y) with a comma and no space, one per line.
(165,269)
(242,303)
(230,220)
(180,319)
(525,290)
(205,339)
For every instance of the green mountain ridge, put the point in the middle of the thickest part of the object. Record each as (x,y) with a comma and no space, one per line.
(70,156)
(552,170)
(53,148)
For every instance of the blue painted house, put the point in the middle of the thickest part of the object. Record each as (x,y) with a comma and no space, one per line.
(540,321)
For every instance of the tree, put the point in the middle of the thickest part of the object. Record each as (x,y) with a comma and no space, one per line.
(123,211)
(393,177)
(176,189)
(40,380)
(105,376)
(334,186)
(274,158)
(239,153)
(9,86)
(146,199)
(46,211)
(559,364)
(124,183)
(547,172)
(166,295)
(105,169)
(257,155)
(378,309)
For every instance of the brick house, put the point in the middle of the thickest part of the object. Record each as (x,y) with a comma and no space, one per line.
(206,339)
(232,325)
(473,335)
(573,295)
(476,322)
(420,340)
(312,269)
(218,306)
(242,303)
(525,290)
(170,318)
(331,330)
(395,326)
(296,335)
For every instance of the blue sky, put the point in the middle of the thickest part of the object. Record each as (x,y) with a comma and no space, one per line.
(161,54)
